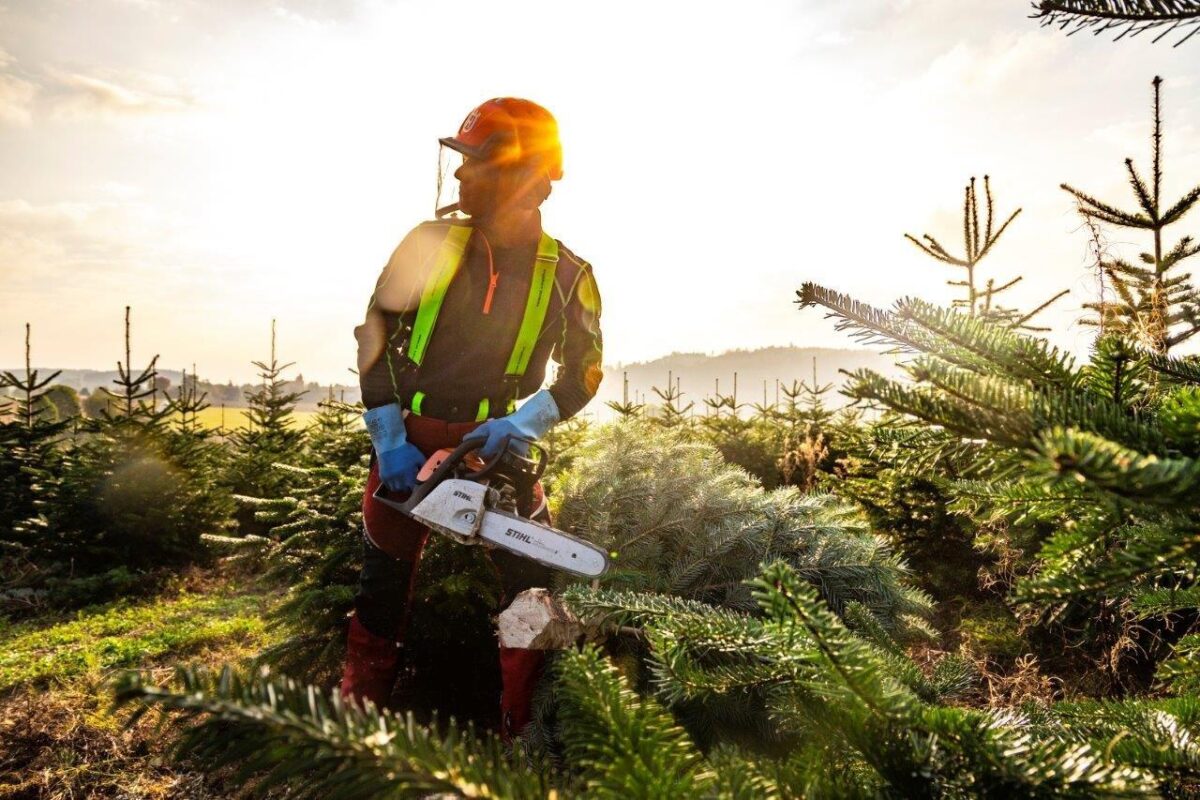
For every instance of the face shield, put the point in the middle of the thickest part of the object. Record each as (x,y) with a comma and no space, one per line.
(446,202)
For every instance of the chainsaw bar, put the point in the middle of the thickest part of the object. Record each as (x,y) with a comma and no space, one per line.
(458,508)
(543,544)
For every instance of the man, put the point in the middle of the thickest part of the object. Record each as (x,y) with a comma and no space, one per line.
(460,327)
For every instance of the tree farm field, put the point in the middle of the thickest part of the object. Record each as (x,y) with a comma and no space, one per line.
(965,566)
(232,418)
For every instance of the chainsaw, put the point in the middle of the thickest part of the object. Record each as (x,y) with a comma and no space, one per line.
(475,503)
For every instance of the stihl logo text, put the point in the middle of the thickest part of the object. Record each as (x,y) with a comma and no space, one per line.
(524,537)
(463,495)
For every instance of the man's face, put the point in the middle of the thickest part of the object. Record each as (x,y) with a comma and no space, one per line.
(485,189)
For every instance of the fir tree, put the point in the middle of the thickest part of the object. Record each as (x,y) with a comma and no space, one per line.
(270,436)
(846,715)
(130,494)
(671,412)
(625,408)
(677,519)
(977,244)
(1156,303)
(313,550)
(1100,460)
(336,437)
(29,431)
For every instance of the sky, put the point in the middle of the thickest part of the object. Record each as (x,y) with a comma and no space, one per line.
(216,164)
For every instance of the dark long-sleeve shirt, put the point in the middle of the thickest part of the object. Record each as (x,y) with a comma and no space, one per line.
(469,349)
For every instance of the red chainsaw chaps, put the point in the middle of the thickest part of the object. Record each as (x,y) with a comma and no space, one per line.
(389,529)
(403,538)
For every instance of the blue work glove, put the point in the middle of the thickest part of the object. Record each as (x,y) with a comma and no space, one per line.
(532,420)
(399,459)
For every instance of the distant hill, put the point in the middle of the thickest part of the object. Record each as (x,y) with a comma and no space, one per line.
(226,393)
(698,376)
(698,373)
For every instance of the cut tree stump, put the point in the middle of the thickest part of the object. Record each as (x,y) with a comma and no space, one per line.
(536,620)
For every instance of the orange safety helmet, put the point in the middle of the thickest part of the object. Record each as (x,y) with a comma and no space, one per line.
(509,130)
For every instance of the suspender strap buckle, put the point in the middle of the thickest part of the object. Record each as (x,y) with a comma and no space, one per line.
(417,403)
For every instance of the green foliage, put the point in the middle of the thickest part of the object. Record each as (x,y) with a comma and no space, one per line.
(27,442)
(314,552)
(269,438)
(680,521)
(621,744)
(1100,460)
(65,401)
(845,717)
(132,491)
(336,436)
(289,735)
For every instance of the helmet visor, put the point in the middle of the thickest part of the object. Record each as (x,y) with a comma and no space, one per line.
(446,202)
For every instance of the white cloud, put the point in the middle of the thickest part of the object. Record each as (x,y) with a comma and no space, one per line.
(77,95)
(1003,61)
(16,100)
(54,244)
(16,93)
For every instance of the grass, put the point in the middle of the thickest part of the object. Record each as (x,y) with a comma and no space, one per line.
(125,635)
(59,737)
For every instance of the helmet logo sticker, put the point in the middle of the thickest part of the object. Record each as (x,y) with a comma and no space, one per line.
(470,121)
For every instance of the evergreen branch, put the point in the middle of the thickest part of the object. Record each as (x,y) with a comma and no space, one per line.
(1143,194)
(1161,737)
(609,608)
(1184,370)
(935,250)
(992,240)
(1157,602)
(856,673)
(936,409)
(1080,564)
(317,747)
(995,290)
(1184,205)
(1182,336)
(1020,323)
(867,323)
(1135,16)
(1092,207)
(624,746)
(967,342)
(993,345)
(1120,471)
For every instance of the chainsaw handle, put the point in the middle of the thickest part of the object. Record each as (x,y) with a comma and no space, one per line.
(426,486)
(451,461)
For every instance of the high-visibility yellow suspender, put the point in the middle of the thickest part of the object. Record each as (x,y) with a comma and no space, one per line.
(449,259)
(535,307)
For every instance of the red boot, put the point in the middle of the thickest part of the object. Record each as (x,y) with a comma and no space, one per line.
(519,673)
(370,668)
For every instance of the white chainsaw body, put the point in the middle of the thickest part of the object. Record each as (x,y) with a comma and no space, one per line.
(454,508)
(458,508)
